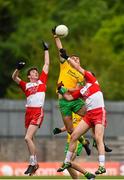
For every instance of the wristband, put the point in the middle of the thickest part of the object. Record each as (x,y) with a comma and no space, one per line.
(62,90)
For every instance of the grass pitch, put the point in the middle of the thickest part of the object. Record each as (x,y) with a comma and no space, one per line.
(56,177)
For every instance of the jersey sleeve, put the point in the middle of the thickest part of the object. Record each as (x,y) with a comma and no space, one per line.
(90,78)
(43,77)
(22,84)
(76,94)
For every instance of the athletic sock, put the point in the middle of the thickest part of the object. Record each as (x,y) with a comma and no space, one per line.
(102,160)
(32,160)
(35,159)
(82,140)
(68,156)
(94,143)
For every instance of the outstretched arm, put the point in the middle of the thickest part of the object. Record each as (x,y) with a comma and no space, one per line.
(46,57)
(58,44)
(59,130)
(57,39)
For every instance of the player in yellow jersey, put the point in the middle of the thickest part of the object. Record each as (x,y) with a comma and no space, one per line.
(71,79)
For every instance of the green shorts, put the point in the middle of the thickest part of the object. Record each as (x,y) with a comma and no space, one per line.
(67,107)
(78,150)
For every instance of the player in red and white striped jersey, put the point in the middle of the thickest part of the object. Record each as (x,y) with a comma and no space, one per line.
(35,93)
(95,114)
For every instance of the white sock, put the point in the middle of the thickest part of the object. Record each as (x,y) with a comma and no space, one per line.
(102,160)
(32,160)
(68,156)
(35,159)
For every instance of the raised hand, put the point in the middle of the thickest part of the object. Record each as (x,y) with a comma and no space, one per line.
(20,65)
(45,46)
(63,54)
(54,30)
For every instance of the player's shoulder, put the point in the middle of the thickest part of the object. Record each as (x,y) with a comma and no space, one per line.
(63,61)
(64,65)
(21,82)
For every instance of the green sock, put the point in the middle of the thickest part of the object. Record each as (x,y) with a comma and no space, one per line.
(94,143)
(82,140)
(86,174)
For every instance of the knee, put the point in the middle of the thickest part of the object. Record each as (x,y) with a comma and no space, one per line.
(27,138)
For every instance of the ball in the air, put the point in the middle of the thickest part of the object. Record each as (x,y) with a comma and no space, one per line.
(61,30)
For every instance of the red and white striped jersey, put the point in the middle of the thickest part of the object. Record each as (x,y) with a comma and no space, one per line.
(35,92)
(91,92)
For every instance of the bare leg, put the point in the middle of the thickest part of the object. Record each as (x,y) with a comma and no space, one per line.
(68,123)
(32,150)
(87,174)
(99,134)
(81,129)
(29,139)
(78,131)
(73,173)
(78,168)
(69,126)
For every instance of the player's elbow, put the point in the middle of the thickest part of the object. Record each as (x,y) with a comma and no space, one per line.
(13,77)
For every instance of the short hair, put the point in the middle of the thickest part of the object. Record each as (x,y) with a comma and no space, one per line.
(29,70)
(74,55)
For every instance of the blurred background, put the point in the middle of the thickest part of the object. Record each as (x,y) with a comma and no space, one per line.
(96,35)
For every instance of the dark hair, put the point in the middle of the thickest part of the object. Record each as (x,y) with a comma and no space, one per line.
(29,70)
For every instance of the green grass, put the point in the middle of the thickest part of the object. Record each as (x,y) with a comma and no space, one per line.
(56,177)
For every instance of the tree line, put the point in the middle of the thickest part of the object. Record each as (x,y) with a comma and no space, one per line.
(95,35)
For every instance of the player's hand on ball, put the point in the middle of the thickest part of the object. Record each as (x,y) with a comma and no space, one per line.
(20,65)
(63,54)
(45,46)
(56,131)
(61,30)
(54,30)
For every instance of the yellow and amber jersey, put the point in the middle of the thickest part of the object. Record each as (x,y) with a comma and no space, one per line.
(69,76)
(76,119)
